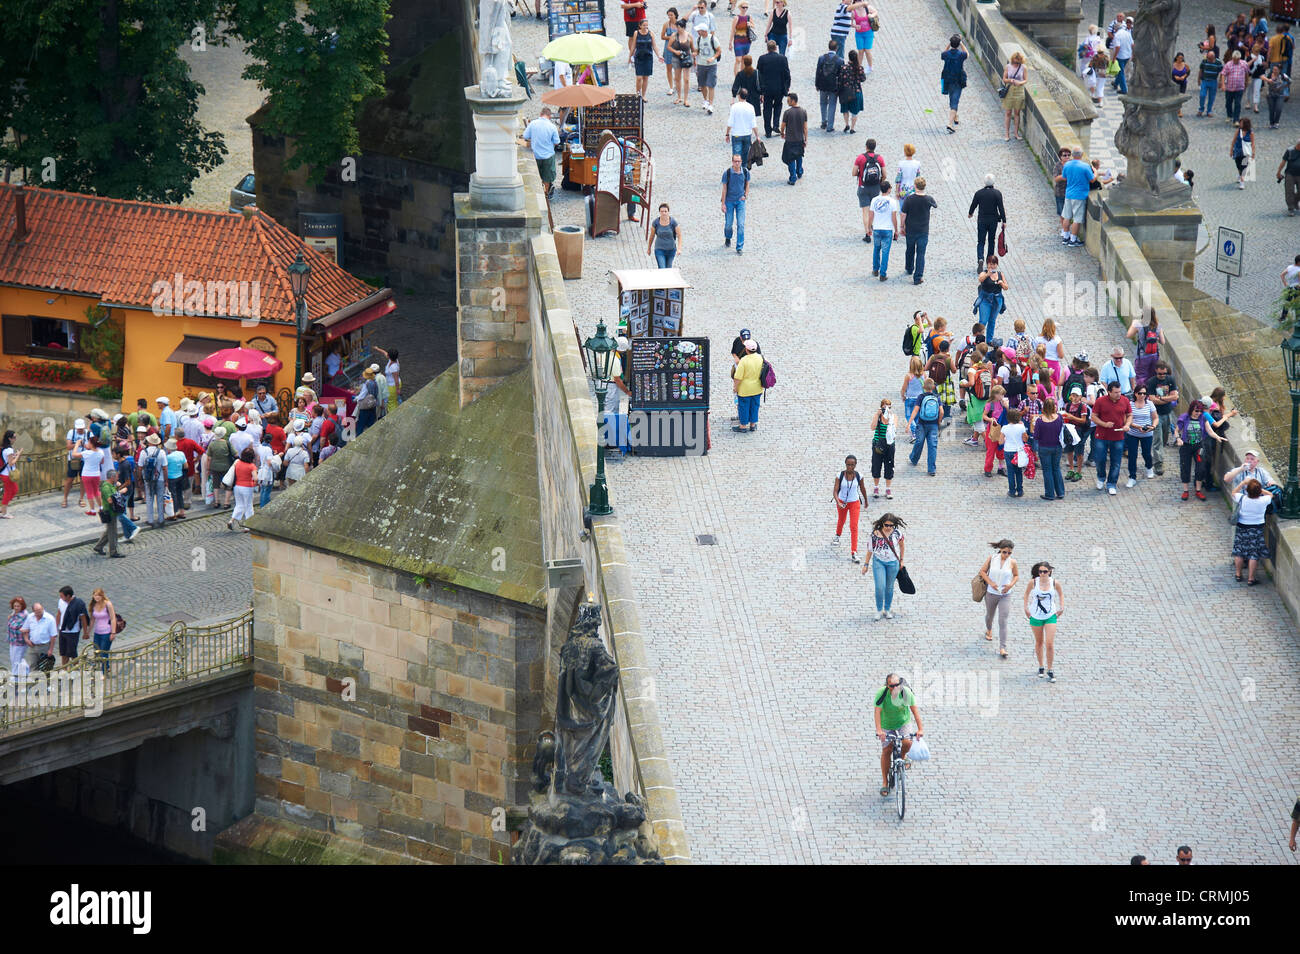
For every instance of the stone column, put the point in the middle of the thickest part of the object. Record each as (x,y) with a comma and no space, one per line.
(496,185)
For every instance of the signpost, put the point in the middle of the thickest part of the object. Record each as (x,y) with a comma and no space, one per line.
(1229,248)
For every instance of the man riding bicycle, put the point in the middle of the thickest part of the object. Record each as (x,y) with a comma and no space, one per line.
(893,703)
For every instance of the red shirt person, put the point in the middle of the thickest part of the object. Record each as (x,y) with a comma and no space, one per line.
(192,451)
(1111,414)
(275,433)
(633,14)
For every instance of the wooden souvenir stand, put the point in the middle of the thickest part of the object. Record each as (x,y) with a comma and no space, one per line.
(650,302)
(624,117)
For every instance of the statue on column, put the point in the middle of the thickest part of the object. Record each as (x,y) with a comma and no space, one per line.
(1151,135)
(497,62)
(584,705)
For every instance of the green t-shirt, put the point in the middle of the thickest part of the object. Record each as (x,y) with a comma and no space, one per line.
(136,418)
(894,716)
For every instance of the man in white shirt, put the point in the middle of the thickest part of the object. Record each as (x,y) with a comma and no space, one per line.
(40,629)
(1120,370)
(561,74)
(1122,48)
(740,126)
(1291,274)
(701,15)
(882,220)
(240,439)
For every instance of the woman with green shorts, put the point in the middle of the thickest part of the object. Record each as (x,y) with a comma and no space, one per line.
(1044,605)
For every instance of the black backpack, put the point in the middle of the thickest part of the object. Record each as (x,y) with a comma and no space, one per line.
(870,170)
(828,73)
(909,341)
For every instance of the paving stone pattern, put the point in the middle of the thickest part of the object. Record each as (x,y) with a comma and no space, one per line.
(764,651)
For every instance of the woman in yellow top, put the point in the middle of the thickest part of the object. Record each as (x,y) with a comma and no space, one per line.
(748,387)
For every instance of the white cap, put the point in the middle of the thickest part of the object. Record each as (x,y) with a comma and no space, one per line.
(79,424)
(374,367)
(163,400)
(621,344)
(751,344)
(241,423)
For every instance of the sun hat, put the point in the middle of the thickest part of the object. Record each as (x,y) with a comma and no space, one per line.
(209,422)
(375,368)
(163,400)
(153,439)
(309,378)
(142,429)
(621,344)
(170,445)
(298,425)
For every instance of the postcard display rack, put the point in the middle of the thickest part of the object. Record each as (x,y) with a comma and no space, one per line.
(650,302)
(578,16)
(670,393)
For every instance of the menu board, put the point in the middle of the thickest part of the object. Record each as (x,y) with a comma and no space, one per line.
(670,373)
(651,312)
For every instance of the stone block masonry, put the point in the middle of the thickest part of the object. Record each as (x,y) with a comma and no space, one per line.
(397,733)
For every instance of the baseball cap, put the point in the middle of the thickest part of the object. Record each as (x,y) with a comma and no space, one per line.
(79,424)
(744,333)
(1082,356)
(701,28)
(142,429)
(751,344)
(241,423)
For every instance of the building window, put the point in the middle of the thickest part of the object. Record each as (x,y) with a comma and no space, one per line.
(192,377)
(42,337)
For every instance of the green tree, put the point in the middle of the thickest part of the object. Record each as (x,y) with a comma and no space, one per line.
(105,342)
(98,86)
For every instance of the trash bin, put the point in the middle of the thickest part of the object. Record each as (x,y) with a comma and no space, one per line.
(568,247)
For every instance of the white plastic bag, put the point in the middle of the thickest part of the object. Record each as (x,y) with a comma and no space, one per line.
(169,508)
(919,752)
(1022,458)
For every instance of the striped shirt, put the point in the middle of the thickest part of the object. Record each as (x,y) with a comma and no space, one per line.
(1210,71)
(843,25)
(1142,417)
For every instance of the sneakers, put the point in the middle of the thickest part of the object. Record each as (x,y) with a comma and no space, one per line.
(889,494)
(1051,676)
(1151,474)
(875,492)
(1101,485)
(1112,491)
(835,540)
(1074,243)
(1185,495)
(888,614)
(880,614)
(1200,495)
(1041,671)
(855,558)
(726,241)
(972,441)
(133,534)
(1131,483)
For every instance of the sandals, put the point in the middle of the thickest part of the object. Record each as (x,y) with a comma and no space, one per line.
(1002,653)
(884,791)
(1252,582)
(988,634)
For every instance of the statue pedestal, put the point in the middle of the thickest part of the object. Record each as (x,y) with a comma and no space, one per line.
(1150,137)
(496,185)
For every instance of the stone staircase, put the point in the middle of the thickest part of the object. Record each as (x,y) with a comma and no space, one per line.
(1248,360)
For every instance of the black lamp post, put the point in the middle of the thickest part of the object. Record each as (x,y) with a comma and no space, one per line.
(600,360)
(1290,508)
(299,279)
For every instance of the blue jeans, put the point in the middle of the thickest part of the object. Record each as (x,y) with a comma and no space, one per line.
(1121,81)
(735,210)
(102,645)
(1108,474)
(748,408)
(881,241)
(1131,446)
(884,575)
(781,42)
(128,526)
(915,259)
(1015,476)
(365,418)
(1049,462)
(740,147)
(1209,89)
(909,404)
(796,168)
(927,436)
(664,257)
(264,495)
(153,499)
(989,308)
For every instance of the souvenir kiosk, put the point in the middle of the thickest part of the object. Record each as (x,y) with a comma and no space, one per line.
(650,302)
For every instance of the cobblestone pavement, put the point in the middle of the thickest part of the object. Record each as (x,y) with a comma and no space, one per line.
(1272,239)
(765,654)
(227,103)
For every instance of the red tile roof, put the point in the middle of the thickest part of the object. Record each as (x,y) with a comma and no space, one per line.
(117,249)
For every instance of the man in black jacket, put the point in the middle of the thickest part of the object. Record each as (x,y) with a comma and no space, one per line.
(988,201)
(773,82)
(826,80)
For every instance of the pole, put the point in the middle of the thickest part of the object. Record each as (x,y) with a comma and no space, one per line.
(1227,297)
(297,343)
(1290,507)
(599,491)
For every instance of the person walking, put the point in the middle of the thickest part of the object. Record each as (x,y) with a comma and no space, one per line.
(989,298)
(1000,574)
(1048,431)
(987,201)
(850,91)
(1076,179)
(680,51)
(884,224)
(913,384)
(747,383)
(1179,73)
(741,122)
(1249,541)
(1163,393)
(1119,370)
(1014,78)
(842,26)
(1122,49)
(1015,453)
(826,80)
(707,54)
(916,229)
(884,434)
(865,21)
(1289,168)
(743,34)
(1140,434)
(1112,415)
(79,432)
(952,79)
(18,644)
(642,53)
(176,479)
(927,414)
(245,484)
(887,554)
(1242,150)
(1232,80)
(774,82)
(794,132)
(735,193)
(108,517)
(1208,76)
(778,27)
(1276,84)
(869,171)
(543,137)
(666,33)
(9,456)
(633,16)
(850,497)
(748,80)
(103,626)
(74,624)
(665,238)
(1044,606)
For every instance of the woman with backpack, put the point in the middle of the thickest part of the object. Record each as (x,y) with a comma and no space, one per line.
(1242,150)
(1148,338)
(850,91)
(989,300)
(850,497)
(976,390)
(995,415)
(1044,606)
(1000,574)
(887,552)
(910,392)
(219,459)
(367,401)
(883,432)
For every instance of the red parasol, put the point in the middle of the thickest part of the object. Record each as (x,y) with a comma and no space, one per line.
(240,363)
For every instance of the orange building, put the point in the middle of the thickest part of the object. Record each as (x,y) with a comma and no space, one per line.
(183,282)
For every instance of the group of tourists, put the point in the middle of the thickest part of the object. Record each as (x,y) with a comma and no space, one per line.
(37,635)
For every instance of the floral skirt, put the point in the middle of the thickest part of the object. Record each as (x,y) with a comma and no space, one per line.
(1249,542)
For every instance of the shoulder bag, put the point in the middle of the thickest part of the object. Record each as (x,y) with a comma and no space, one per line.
(978,588)
(905,584)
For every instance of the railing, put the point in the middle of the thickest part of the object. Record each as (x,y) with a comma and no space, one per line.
(182,656)
(41,473)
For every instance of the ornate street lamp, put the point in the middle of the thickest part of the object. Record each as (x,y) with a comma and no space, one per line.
(1290,508)
(600,361)
(299,279)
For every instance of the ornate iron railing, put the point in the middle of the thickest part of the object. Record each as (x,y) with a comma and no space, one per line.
(41,473)
(182,656)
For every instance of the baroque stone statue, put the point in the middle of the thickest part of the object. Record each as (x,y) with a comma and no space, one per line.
(497,60)
(575,816)
(1155,31)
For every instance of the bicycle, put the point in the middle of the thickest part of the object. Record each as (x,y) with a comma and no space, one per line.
(898,770)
